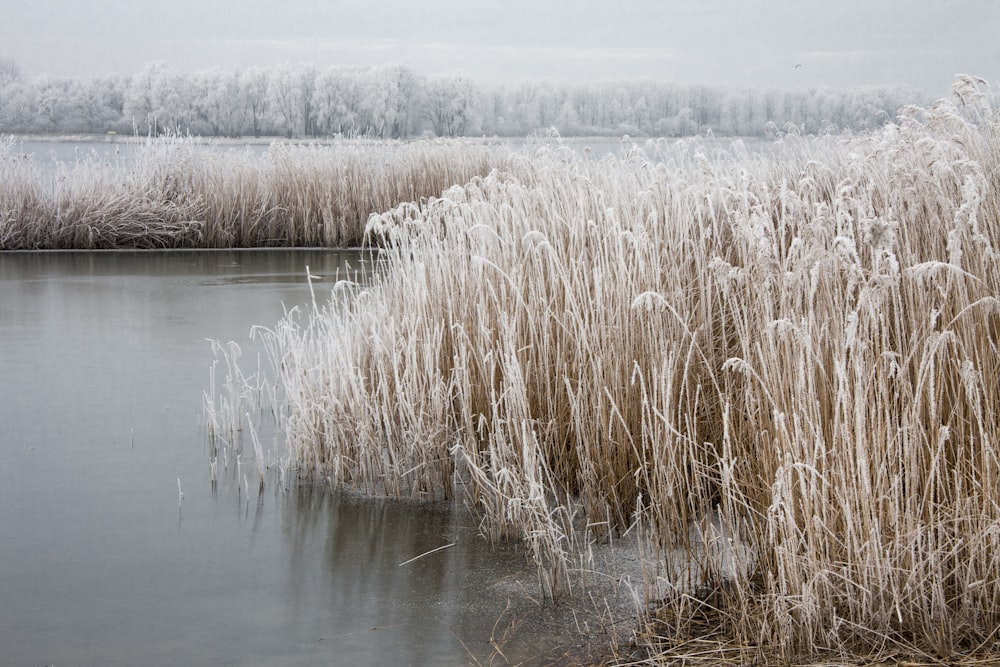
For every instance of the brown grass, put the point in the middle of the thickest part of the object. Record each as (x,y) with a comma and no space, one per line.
(180,193)
(783,371)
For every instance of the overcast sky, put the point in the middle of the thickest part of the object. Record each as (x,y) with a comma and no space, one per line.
(838,43)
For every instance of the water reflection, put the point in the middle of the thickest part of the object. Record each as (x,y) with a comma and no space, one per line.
(392,613)
(204,267)
(116,150)
(101,562)
(411,584)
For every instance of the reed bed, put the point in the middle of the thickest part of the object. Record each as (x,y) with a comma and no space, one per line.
(180,193)
(782,371)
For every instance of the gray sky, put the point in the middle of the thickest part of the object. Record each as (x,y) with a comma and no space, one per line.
(838,43)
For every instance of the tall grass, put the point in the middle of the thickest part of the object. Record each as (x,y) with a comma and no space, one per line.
(178,193)
(783,370)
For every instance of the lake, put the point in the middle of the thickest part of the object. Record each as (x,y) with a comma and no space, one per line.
(117,549)
(120,150)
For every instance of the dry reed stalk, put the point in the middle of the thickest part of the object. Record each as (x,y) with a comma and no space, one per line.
(177,193)
(788,364)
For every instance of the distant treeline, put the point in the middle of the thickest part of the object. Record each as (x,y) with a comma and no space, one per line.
(392,101)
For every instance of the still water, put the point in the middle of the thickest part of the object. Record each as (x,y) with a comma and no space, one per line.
(115,549)
(118,150)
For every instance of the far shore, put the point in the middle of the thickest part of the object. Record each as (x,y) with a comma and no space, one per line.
(124,138)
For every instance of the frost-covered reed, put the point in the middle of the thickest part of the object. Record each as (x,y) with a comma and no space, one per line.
(784,369)
(179,193)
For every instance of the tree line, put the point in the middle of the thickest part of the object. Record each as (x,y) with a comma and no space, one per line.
(392,101)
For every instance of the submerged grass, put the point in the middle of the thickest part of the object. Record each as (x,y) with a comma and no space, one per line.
(783,372)
(178,193)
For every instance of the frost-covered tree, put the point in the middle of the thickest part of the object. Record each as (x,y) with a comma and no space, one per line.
(254,83)
(96,104)
(307,90)
(451,106)
(159,100)
(377,101)
(568,121)
(405,97)
(10,72)
(15,98)
(437,106)
(51,104)
(392,101)
(15,107)
(283,92)
(221,102)
(524,110)
(332,113)
(374,102)
(292,89)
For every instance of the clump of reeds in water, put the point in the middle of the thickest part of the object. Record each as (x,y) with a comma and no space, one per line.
(785,369)
(233,415)
(179,193)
